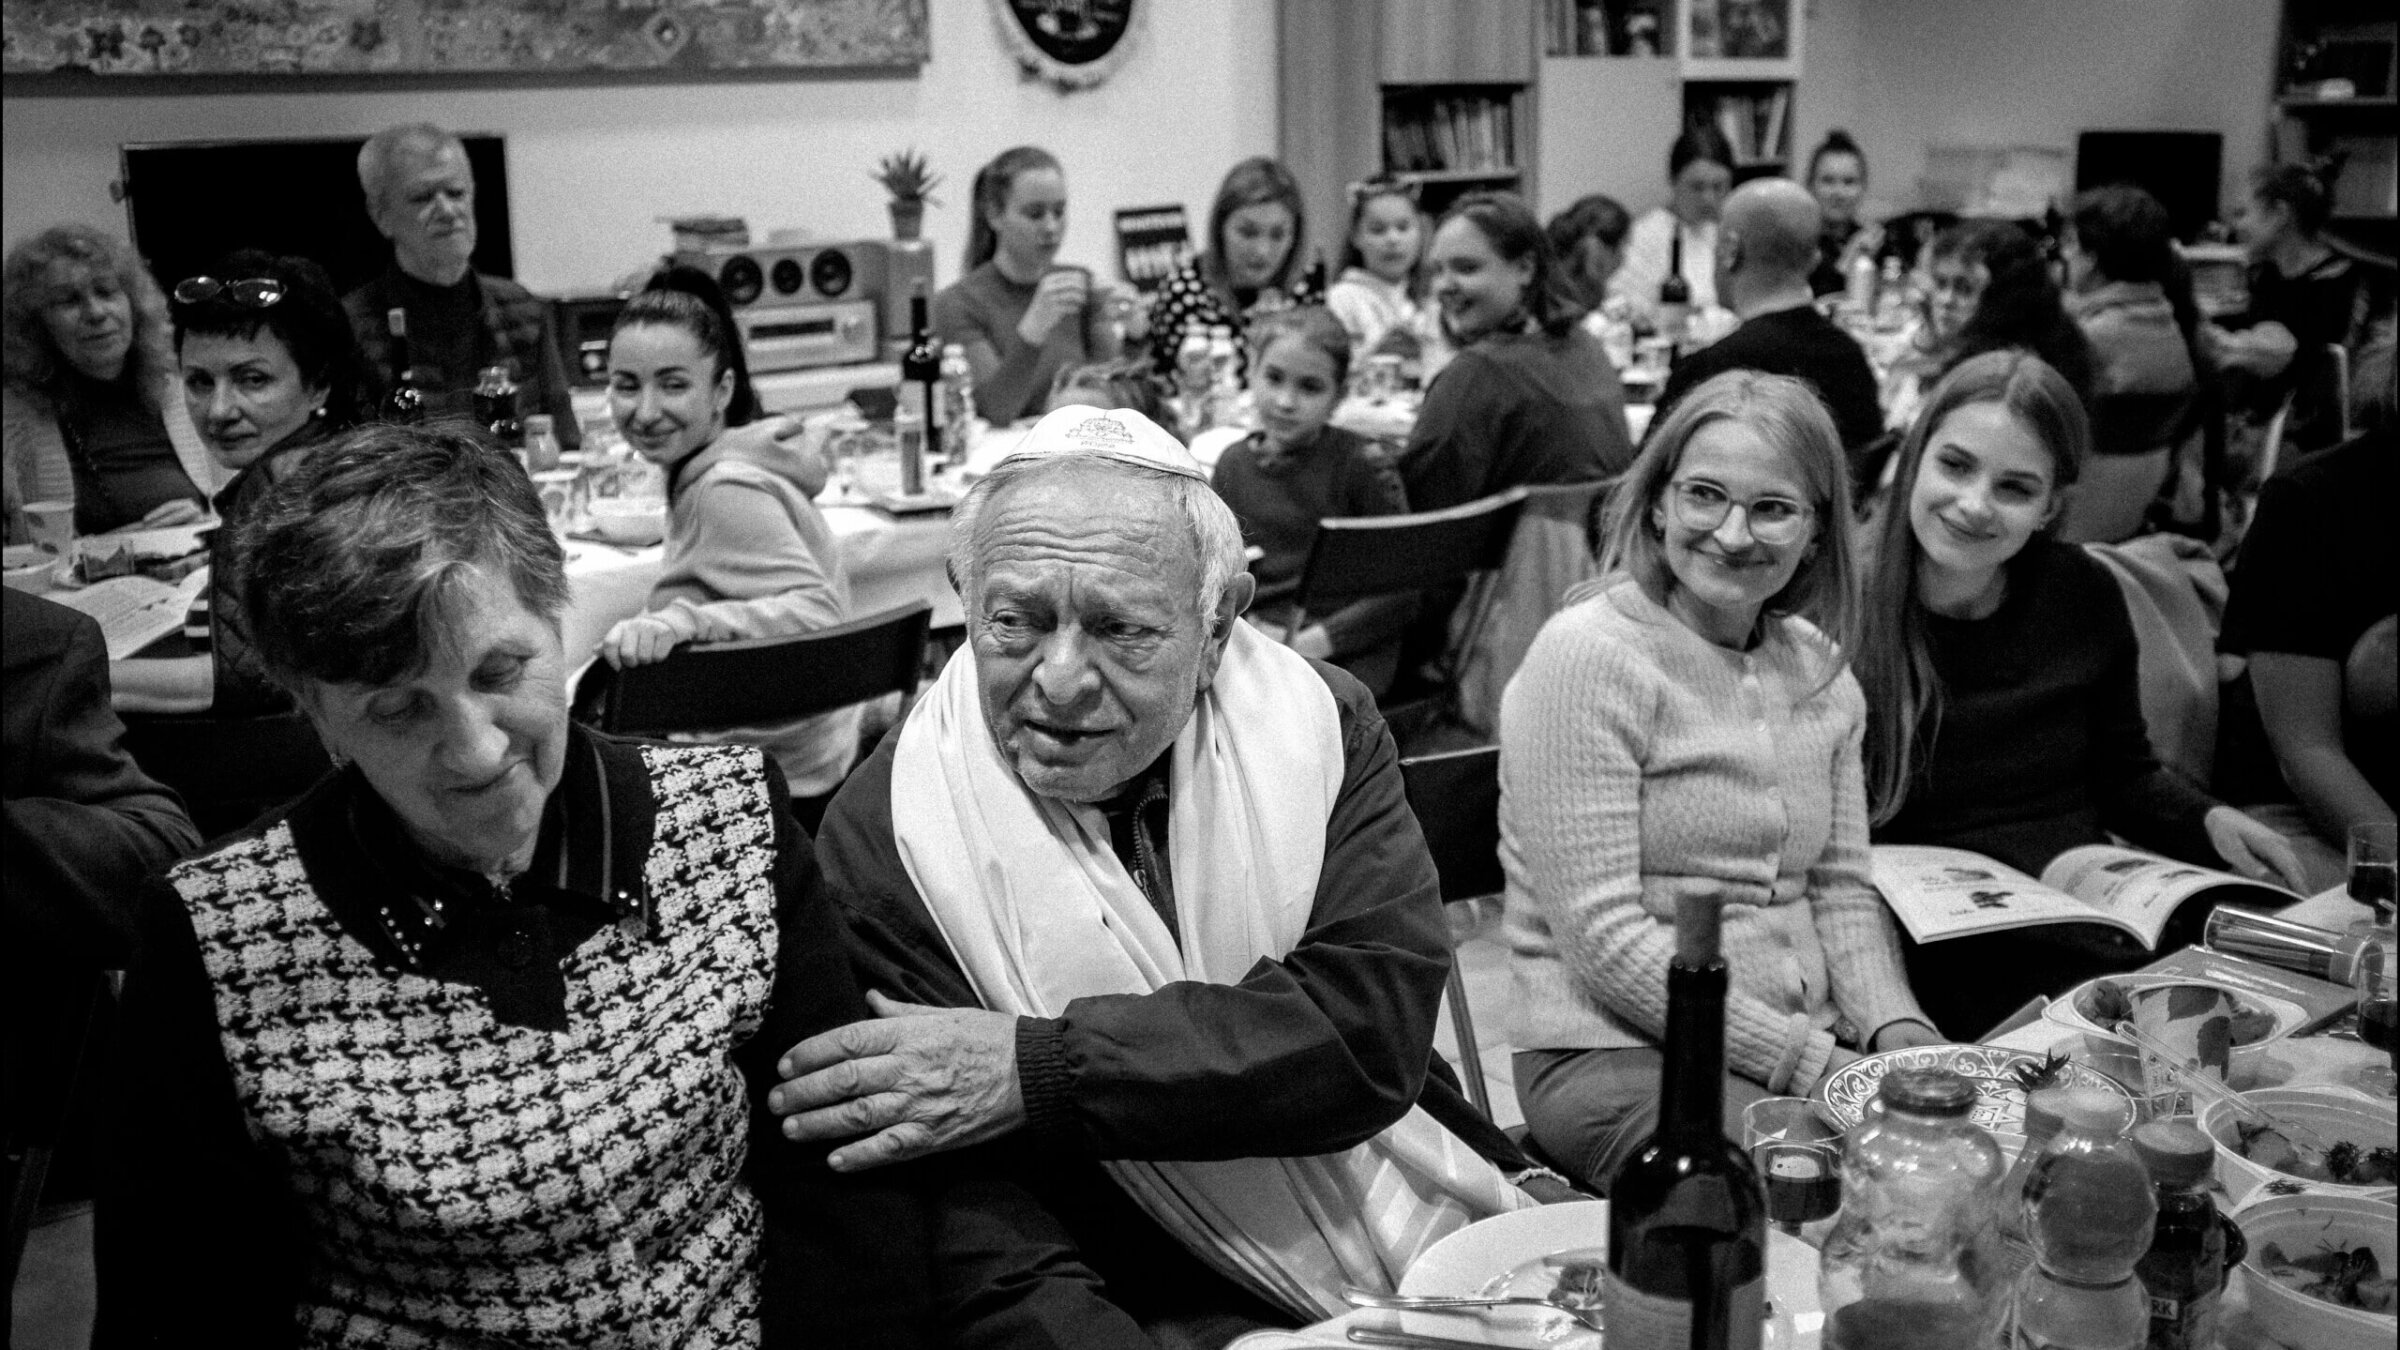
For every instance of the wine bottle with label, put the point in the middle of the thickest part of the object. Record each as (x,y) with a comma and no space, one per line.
(1687,1221)
(405,404)
(921,391)
(1675,299)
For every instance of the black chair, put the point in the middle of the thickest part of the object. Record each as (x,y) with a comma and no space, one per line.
(228,770)
(1456,798)
(759,681)
(1354,557)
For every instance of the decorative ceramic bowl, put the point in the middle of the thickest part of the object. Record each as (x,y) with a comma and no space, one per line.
(2000,1097)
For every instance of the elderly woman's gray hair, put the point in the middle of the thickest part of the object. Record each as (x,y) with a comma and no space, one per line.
(387,149)
(348,568)
(1216,534)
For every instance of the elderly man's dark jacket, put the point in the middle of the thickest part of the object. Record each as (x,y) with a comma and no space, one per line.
(1310,1054)
(519,331)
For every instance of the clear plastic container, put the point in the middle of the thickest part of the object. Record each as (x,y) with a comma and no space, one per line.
(1913,1257)
(2090,1209)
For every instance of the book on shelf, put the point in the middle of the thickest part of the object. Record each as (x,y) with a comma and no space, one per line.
(1753,124)
(1604,28)
(1939,893)
(1450,133)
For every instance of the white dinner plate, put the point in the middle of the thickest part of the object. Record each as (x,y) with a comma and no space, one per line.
(1474,1258)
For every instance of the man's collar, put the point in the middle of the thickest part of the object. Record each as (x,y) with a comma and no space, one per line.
(1149,785)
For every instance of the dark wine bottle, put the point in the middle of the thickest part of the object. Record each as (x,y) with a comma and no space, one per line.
(405,403)
(1674,298)
(1687,1221)
(921,386)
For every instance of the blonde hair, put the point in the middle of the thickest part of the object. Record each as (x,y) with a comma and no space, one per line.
(1787,414)
(31,360)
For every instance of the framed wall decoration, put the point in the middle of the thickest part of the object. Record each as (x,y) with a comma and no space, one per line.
(1073,44)
(455,37)
(1741,39)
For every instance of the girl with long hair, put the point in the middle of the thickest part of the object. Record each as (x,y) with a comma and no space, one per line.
(2003,684)
(1020,314)
(1251,268)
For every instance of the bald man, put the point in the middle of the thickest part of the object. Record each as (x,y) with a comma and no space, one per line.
(1766,244)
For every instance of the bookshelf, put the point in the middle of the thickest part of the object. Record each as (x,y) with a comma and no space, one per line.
(1447,100)
(1645,69)
(2335,91)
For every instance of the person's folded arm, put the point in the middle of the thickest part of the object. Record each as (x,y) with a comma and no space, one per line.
(2300,702)
(1862,947)
(90,824)
(1574,794)
(848,1255)
(198,1239)
(747,549)
(1313,1053)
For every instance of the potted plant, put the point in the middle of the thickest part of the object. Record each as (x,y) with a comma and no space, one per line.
(906,176)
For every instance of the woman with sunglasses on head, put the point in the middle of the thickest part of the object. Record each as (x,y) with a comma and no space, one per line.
(2002,677)
(1688,726)
(270,372)
(89,406)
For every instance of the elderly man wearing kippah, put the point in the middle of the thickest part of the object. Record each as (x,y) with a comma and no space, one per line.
(1147,916)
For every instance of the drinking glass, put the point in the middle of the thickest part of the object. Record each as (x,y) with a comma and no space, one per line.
(2378,985)
(2374,856)
(1799,1160)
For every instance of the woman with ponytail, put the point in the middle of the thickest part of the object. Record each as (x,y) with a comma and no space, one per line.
(1021,316)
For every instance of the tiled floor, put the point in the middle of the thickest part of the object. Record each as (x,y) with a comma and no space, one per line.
(1484,963)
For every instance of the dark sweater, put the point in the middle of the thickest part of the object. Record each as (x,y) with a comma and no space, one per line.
(982,310)
(1798,342)
(124,463)
(2040,747)
(1516,409)
(1342,474)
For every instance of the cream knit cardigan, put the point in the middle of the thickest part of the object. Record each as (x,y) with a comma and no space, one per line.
(1639,762)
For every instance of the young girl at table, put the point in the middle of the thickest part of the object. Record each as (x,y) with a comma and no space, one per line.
(1380,296)
(748,555)
(2002,681)
(1295,471)
(1687,726)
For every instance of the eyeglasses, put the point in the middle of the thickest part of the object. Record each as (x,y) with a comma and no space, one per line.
(249,292)
(1771,520)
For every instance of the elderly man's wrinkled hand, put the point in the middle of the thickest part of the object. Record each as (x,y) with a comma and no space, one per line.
(914,1081)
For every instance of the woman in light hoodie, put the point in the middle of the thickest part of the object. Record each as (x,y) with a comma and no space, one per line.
(748,554)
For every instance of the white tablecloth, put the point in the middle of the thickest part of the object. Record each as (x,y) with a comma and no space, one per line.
(890,561)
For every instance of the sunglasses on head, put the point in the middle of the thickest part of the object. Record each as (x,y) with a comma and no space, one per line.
(251,292)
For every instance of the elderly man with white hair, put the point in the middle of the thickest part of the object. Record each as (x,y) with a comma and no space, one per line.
(420,192)
(1147,914)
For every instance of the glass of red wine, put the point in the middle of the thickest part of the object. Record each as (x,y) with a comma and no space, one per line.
(2378,984)
(2375,870)
(1799,1160)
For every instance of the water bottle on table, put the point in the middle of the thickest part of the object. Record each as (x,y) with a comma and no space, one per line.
(2089,1213)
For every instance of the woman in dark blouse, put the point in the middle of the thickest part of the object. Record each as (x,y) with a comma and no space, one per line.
(1251,268)
(1530,397)
(270,370)
(88,408)
(2305,300)
(2003,691)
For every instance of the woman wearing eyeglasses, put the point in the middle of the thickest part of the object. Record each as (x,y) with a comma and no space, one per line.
(2003,675)
(1688,726)
(88,409)
(270,370)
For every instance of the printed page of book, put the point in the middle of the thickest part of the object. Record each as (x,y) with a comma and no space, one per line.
(2141,889)
(1951,892)
(133,612)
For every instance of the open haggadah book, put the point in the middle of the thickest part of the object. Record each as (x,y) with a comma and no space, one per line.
(1949,892)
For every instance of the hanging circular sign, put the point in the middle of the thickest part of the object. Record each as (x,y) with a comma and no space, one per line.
(1073,44)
